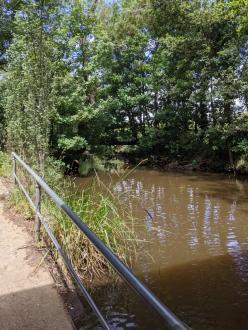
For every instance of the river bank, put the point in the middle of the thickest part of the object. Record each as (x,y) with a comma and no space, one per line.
(121,157)
(199,164)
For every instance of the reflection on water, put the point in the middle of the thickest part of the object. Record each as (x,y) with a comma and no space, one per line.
(193,232)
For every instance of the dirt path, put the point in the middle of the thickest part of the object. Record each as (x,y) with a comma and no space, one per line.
(28,296)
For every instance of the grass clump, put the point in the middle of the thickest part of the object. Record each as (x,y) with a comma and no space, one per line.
(97,207)
(5,164)
(19,202)
(103,217)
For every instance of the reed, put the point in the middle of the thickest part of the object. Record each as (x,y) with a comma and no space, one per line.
(97,206)
(103,216)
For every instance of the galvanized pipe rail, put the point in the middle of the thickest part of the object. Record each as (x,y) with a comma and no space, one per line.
(170,319)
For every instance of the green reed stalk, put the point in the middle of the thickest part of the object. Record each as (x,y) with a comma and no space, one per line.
(97,206)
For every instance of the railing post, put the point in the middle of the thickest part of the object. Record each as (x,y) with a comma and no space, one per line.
(14,169)
(37,222)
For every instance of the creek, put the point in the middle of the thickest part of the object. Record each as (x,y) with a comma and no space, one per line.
(192,250)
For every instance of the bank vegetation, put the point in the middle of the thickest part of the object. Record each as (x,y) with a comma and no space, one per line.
(167,80)
(84,83)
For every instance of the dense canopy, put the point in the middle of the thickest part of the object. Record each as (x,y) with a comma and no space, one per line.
(167,80)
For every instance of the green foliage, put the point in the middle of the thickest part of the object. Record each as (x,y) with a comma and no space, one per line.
(2,119)
(5,164)
(8,9)
(76,143)
(103,218)
(29,103)
(89,165)
(169,79)
(96,206)
(239,9)
(18,201)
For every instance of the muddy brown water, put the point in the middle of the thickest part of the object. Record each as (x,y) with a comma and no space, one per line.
(192,250)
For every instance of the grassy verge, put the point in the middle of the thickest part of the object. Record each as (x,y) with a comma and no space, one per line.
(99,209)
(5,164)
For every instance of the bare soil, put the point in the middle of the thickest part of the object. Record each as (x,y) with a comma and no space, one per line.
(28,295)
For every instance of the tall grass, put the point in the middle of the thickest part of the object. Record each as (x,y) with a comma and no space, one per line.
(5,164)
(96,206)
(102,215)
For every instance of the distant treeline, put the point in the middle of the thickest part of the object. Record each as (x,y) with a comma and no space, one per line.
(161,78)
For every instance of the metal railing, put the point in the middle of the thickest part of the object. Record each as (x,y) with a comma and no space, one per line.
(170,320)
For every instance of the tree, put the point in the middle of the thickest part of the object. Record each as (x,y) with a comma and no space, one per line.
(7,14)
(84,75)
(76,85)
(32,61)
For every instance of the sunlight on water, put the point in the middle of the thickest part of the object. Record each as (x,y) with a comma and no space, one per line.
(193,232)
